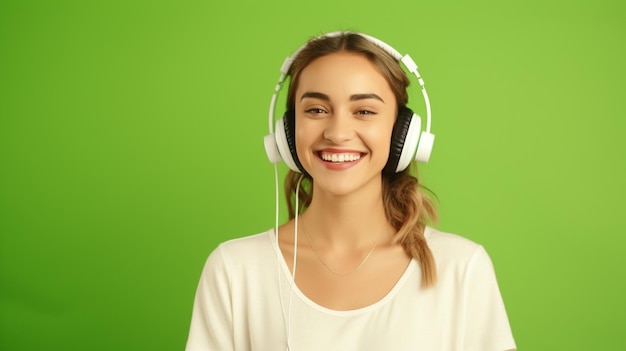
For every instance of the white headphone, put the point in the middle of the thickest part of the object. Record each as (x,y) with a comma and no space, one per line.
(407,143)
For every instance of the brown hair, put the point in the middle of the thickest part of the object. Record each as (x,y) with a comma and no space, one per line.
(407,207)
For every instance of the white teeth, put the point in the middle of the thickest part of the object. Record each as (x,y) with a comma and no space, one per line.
(337,158)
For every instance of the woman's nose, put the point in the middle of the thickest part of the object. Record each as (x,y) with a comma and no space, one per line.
(339,128)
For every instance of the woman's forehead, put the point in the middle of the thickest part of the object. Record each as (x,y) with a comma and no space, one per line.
(342,74)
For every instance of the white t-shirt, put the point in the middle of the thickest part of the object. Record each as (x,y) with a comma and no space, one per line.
(243,303)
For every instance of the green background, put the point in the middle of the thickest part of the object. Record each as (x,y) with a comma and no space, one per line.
(131,144)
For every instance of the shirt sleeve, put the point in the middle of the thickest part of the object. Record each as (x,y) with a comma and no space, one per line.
(211,320)
(486,323)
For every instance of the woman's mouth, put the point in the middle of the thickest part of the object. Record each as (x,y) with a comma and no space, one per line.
(339,157)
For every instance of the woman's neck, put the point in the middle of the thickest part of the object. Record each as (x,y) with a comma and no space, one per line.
(346,221)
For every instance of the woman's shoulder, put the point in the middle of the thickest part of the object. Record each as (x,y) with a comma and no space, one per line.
(249,251)
(451,247)
(248,244)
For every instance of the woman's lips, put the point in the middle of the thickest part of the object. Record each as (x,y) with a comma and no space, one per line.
(339,159)
(336,157)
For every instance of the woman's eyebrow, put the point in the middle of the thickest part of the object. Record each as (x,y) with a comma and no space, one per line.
(355,97)
(365,96)
(316,95)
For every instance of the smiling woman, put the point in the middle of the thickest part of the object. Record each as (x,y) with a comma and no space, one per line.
(371,274)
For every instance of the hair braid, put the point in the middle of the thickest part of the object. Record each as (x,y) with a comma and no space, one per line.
(408,209)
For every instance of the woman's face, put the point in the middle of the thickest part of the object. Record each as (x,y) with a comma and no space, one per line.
(345,111)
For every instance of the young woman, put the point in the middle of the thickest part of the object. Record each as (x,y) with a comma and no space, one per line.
(356,267)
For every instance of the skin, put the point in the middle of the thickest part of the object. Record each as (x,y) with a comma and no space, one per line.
(344,106)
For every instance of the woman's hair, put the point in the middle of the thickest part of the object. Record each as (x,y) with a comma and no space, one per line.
(407,207)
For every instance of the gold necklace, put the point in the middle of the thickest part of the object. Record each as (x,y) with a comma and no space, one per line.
(339,274)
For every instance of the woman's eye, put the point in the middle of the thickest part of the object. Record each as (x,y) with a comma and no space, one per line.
(315,111)
(366,112)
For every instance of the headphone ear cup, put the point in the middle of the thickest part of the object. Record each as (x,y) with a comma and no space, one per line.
(398,140)
(286,141)
(425,147)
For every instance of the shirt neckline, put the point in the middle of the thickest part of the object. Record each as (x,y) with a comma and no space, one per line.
(305,299)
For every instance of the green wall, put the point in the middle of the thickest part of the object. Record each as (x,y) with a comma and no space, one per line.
(131,144)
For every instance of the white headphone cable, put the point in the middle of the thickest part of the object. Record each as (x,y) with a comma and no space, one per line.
(295,260)
(279,255)
(287,316)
